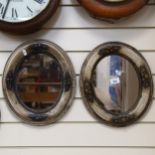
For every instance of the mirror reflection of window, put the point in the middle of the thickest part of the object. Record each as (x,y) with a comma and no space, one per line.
(39,82)
(116,84)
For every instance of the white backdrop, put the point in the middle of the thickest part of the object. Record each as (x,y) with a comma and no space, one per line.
(78,132)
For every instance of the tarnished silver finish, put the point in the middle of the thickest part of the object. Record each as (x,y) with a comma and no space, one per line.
(39,82)
(116,84)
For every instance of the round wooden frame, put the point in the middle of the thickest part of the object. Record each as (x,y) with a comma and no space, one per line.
(112,10)
(33,24)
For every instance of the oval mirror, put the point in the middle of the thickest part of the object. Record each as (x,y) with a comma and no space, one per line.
(39,82)
(112,9)
(116,84)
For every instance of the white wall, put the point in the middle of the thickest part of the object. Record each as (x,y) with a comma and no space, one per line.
(78,132)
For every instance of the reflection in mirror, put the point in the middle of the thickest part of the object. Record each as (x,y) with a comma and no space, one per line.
(39,82)
(116,84)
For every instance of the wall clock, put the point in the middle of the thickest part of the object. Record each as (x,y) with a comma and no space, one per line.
(25,16)
(112,9)
(116,84)
(39,82)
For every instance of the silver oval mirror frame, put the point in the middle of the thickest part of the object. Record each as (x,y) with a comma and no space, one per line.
(116,84)
(39,82)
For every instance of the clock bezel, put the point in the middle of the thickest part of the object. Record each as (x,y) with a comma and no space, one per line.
(33,24)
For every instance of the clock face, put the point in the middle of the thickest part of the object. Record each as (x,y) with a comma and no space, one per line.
(16,11)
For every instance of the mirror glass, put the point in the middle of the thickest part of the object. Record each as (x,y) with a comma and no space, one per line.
(39,82)
(116,84)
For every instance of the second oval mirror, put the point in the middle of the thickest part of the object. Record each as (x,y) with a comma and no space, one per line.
(116,84)
(39,82)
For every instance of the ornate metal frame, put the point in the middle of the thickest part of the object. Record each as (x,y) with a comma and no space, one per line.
(68,89)
(144,75)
